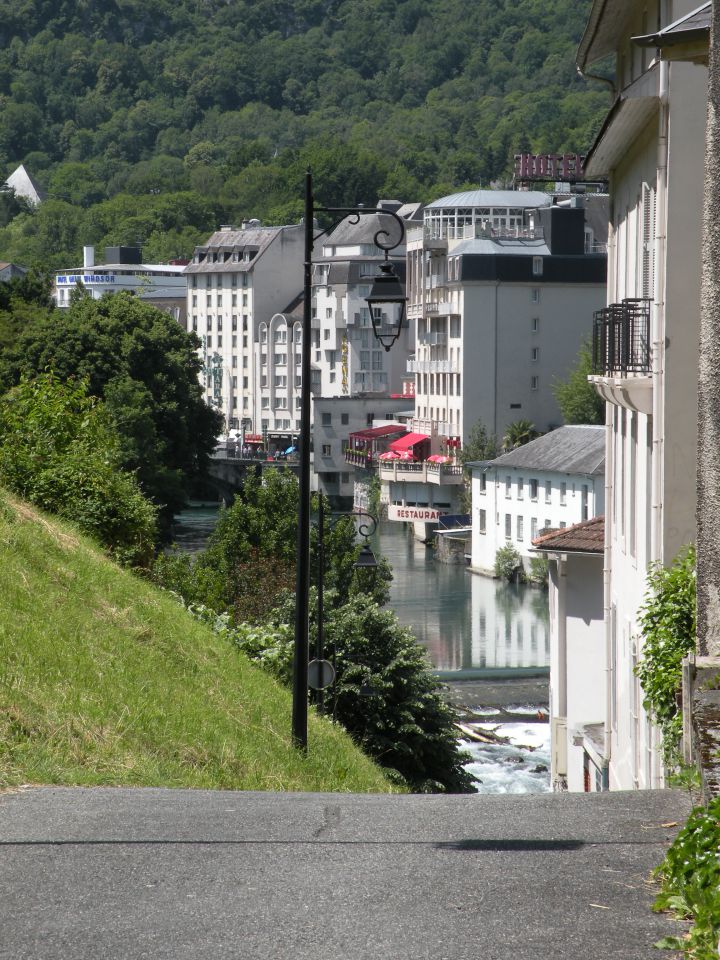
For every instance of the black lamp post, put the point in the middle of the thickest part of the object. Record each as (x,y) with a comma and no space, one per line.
(386,290)
(365,561)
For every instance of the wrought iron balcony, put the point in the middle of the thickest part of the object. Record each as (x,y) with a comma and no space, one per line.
(621,338)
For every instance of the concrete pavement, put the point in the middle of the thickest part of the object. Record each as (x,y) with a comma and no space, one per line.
(89,874)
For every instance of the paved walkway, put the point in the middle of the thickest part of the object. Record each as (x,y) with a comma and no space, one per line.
(188,875)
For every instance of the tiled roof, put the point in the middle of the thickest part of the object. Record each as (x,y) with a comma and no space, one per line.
(571,449)
(585,537)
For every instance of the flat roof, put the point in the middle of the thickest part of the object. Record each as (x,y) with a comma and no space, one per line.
(523,199)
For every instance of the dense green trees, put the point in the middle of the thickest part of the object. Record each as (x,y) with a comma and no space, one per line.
(578,400)
(59,450)
(144,366)
(230,102)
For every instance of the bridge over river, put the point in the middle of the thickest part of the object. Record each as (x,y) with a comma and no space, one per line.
(227,473)
(188,874)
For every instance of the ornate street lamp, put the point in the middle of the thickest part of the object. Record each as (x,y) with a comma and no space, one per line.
(388,294)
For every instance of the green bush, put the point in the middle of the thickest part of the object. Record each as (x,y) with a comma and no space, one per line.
(690,876)
(538,572)
(58,451)
(508,563)
(667,624)
(385,694)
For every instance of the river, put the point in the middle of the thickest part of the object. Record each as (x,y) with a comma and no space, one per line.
(474,628)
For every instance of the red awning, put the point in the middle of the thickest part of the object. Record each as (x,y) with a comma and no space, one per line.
(373,433)
(409,440)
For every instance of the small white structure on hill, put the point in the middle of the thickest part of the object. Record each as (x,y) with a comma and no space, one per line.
(552,482)
(23,185)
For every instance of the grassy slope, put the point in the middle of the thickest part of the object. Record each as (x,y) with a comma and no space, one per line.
(106,680)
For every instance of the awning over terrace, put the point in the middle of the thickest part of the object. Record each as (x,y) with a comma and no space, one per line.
(408,441)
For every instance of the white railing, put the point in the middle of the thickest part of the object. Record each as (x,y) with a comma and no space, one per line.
(433,366)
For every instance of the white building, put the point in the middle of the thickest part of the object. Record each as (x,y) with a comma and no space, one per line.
(335,420)
(646,342)
(577,656)
(501,286)
(162,284)
(347,359)
(553,482)
(242,289)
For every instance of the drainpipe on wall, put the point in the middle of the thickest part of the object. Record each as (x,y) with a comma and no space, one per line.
(658,370)
(658,337)
(607,589)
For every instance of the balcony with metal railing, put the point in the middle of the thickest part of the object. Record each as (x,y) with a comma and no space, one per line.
(621,339)
(440,474)
(622,354)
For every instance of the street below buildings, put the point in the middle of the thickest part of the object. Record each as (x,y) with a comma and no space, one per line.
(94,874)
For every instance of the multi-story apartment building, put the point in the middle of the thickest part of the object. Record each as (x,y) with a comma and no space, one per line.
(651,148)
(552,482)
(500,285)
(347,358)
(348,362)
(242,302)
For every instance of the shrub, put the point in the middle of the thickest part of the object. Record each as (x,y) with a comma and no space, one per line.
(58,451)
(385,694)
(667,624)
(507,563)
(539,570)
(690,876)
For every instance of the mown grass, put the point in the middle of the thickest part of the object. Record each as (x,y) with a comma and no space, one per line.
(106,680)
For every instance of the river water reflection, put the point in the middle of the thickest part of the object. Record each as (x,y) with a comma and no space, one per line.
(467,622)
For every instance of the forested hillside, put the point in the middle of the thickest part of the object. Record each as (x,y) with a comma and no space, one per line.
(155,121)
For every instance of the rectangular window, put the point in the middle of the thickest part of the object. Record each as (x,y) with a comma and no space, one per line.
(535,295)
(508,486)
(482,521)
(563,493)
(535,354)
(483,483)
(508,526)
(533,489)
(584,502)
(548,491)
(344,419)
(537,266)
(327,450)
(326,419)
(533,528)
(520,488)
(535,324)
(519,525)
(534,383)
(219,323)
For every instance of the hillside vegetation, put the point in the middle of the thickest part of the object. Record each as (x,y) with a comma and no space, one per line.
(154,122)
(106,680)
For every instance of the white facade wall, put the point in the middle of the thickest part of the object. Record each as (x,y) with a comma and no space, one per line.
(506,504)
(227,304)
(578,679)
(653,251)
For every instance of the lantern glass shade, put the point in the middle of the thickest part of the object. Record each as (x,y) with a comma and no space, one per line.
(366,559)
(386,301)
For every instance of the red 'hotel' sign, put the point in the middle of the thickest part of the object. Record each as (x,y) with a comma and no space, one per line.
(413,513)
(549,166)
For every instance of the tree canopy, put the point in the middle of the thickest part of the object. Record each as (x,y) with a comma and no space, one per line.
(578,400)
(59,450)
(145,367)
(143,121)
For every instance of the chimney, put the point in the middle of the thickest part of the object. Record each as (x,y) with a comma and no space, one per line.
(88,257)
